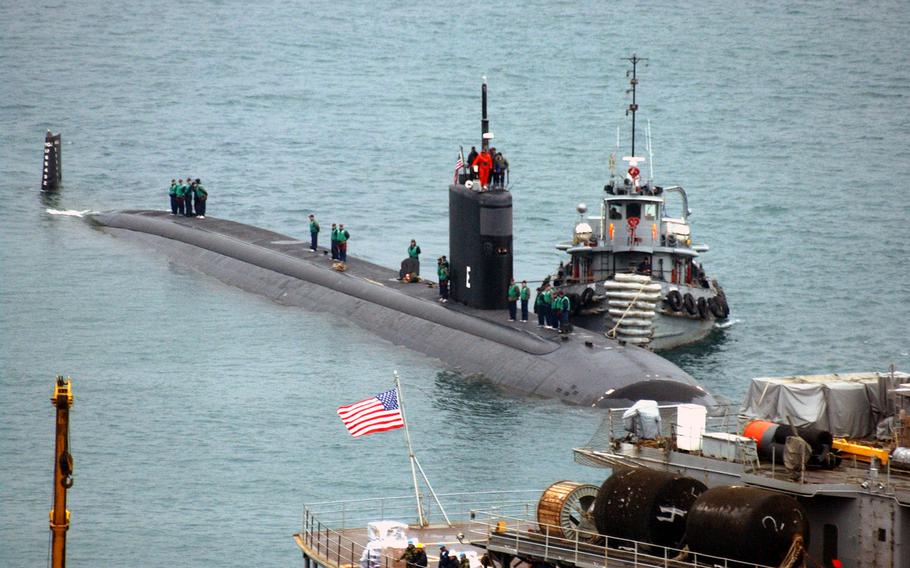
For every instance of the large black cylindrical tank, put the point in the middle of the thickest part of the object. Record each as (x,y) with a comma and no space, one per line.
(480,246)
(746,524)
(646,505)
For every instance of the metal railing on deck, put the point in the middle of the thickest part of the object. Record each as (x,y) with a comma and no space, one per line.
(587,549)
(327,528)
(325,524)
(612,427)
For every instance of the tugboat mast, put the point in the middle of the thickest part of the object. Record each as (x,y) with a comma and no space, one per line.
(635,59)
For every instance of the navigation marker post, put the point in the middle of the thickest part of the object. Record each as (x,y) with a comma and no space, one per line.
(415,465)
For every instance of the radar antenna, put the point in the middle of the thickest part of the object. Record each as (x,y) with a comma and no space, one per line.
(635,59)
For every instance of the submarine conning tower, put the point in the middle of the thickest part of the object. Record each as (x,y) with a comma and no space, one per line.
(480,235)
(53,163)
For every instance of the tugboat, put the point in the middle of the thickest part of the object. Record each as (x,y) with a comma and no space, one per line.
(632,270)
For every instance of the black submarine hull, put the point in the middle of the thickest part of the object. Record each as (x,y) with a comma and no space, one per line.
(584,368)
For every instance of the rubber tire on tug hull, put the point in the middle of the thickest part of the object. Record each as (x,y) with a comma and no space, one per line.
(632,504)
(722,301)
(674,300)
(689,304)
(731,522)
(586,297)
(702,306)
(715,308)
(574,304)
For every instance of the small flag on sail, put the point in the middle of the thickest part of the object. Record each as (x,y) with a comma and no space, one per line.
(375,414)
(459,164)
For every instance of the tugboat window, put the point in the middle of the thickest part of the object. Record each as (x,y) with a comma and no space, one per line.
(615,211)
(650,210)
(633,210)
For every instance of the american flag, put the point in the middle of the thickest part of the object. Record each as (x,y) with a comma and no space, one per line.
(459,164)
(375,414)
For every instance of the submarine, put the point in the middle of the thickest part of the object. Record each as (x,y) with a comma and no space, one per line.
(469,334)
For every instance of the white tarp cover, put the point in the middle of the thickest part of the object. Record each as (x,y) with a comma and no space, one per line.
(848,405)
(643,419)
(389,534)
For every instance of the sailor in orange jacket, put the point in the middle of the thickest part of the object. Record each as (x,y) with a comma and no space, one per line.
(484,163)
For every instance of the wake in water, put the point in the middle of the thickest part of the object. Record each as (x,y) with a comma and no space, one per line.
(70,212)
(726,324)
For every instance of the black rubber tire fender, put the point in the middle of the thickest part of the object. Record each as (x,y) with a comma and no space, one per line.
(702,305)
(715,308)
(587,297)
(689,304)
(575,305)
(674,300)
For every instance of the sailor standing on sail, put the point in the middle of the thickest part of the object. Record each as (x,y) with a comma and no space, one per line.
(482,164)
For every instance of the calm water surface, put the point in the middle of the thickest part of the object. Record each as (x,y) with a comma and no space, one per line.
(204,416)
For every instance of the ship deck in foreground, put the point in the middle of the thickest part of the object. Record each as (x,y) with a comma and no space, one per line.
(504,526)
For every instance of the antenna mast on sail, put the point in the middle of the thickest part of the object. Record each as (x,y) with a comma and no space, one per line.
(635,59)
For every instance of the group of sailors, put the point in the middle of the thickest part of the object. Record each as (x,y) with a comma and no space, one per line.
(553,308)
(489,166)
(415,556)
(339,238)
(188,197)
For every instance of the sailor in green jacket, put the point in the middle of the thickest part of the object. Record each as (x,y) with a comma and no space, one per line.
(189,190)
(314,233)
(334,236)
(172,193)
(414,254)
(179,192)
(201,196)
(541,305)
(563,305)
(513,294)
(554,317)
(525,295)
(343,236)
(442,270)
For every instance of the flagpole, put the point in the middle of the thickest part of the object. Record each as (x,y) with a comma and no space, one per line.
(433,493)
(407,434)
